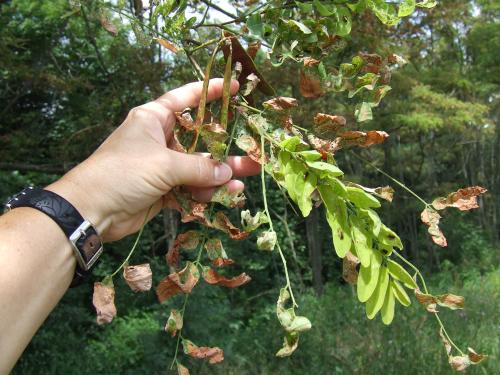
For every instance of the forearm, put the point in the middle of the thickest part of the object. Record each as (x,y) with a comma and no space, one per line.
(37,265)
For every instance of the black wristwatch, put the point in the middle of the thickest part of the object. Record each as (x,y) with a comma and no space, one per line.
(84,239)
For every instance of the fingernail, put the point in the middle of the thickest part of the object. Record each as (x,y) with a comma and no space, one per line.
(222,172)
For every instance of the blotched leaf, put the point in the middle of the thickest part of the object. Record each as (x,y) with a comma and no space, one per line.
(451,301)
(363,139)
(212,355)
(139,277)
(474,357)
(349,268)
(280,103)
(463,199)
(178,282)
(228,199)
(214,278)
(290,343)
(267,240)
(327,126)
(251,146)
(182,370)
(103,300)
(250,223)
(223,223)
(431,218)
(174,323)
(310,84)
(214,249)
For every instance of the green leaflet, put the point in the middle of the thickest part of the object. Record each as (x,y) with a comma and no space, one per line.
(343,18)
(298,24)
(389,238)
(322,9)
(294,178)
(387,310)
(304,7)
(399,273)
(338,187)
(374,304)
(304,199)
(326,169)
(309,155)
(336,215)
(290,144)
(406,8)
(362,241)
(376,223)
(361,198)
(368,278)
(400,293)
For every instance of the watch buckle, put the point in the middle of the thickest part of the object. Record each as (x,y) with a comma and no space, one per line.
(75,237)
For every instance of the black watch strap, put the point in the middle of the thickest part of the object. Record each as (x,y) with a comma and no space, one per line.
(84,239)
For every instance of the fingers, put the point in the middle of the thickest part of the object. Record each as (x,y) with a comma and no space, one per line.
(243,166)
(202,194)
(199,171)
(189,95)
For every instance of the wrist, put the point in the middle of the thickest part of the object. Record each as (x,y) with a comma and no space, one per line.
(83,199)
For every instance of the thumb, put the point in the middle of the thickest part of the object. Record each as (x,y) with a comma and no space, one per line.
(195,170)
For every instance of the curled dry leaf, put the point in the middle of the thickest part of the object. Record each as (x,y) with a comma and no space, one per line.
(324,147)
(459,363)
(310,85)
(252,81)
(214,278)
(223,223)
(427,300)
(222,262)
(178,282)
(213,355)
(474,357)
(139,278)
(446,342)
(253,47)
(349,271)
(215,249)
(363,139)
(327,126)
(104,301)
(188,241)
(451,301)
(185,119)
(168,45)
(228,199)
(463,199)
(189,209)
(310,62)
(174,323)
(290,343)
(182,370)
(384,192)
(267,240)
(109,26)
(280,103)
(431,218)
(250,223)
(248,144)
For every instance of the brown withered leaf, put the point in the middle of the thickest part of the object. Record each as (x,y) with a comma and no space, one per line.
(228,199)
(139,278)
(168,45)
(253,48)
(371,58)
(104,301)
(474,357)
(251,146)
(222,262)
(239,54)
(188,241)
(459,363)
(310,85)
(325,147)
(214,278)
(427,300)
(310,62)
(463,199)
(327,126)
(213,355)
(280,103)
(190,210)
(349,271)
(182,370)
(175,144)
(431,218)
(109,26)
(223,223)
(252,81)
(446,342)
(451,301)
(174,322)
(185,119)
(363,139)
(178,282)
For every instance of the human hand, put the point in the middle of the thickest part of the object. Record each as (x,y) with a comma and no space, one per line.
(134,168)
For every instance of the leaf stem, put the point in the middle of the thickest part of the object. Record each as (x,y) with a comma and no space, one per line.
(135,243)
(266,210)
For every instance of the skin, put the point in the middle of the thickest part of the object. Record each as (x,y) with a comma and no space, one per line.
(132,170)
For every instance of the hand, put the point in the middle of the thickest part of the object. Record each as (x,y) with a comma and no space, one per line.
(134,168)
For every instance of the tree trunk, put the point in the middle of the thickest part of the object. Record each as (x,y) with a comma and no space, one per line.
(314,245)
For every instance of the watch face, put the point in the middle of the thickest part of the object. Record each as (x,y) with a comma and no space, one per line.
(90,246)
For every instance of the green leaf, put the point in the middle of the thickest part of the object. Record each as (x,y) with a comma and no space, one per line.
(336,215)
(294,179)
(338,187)
(399,273)
(362,241)
(322,9)
(309,155)
(290,144)
(406,8)
(427,4)
(376,223)
(361,198)
(400,293)
(344,22)
(368,278)
(255,24)
(329,169)
(389,238)
(267,240)
(387,310)
(304,199)
(300,25)
(305,7)
(385,12)
(374,304)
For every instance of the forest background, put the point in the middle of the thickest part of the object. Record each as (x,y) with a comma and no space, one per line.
(66,83)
